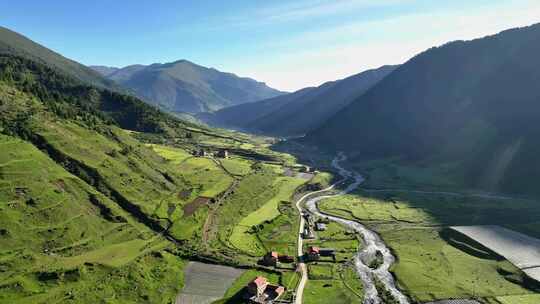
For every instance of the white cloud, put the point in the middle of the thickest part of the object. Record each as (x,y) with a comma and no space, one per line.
(304,10)
(310,9)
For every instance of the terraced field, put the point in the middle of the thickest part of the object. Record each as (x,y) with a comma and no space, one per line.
(242,237)
(60,238)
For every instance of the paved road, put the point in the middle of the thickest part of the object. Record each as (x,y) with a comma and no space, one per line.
(302,266)
(372,243)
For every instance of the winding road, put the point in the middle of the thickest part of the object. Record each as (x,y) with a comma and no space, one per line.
(371,241)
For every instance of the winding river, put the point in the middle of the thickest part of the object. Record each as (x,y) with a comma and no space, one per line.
(371,243)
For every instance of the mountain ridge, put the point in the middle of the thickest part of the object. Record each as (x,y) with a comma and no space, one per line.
(468,102)
(14,43)
(184,86)
(298,112)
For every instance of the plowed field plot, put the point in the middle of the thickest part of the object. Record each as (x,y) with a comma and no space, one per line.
(521,250)
(205,283)
(190,208)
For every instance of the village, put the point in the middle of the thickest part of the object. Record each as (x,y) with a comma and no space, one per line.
(260,291)
(319,254)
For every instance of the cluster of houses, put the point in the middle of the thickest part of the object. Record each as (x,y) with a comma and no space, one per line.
(272,258)
(260,291)
(223,153)
(313,225)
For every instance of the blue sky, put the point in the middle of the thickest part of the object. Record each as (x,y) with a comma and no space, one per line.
(288,44)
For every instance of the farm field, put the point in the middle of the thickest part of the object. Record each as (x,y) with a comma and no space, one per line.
(237,166)
(523,299)
(435,210)
(521,250)
(172,154)
(334,281)
(241,236)
(429,268)
(433,264)
(206,283)
(332,284)
(210,179)
(254,191)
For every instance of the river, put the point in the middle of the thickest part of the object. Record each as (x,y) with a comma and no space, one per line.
(371,243)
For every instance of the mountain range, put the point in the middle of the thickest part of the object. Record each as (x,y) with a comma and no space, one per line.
(183,86)
(297,113)
(472,104)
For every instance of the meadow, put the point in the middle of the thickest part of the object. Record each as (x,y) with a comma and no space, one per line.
(431,264)
(333,284)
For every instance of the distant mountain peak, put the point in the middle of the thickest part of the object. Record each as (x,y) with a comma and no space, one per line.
(184,86)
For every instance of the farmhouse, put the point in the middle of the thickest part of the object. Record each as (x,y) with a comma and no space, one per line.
(270,259)
(259,291)
(313,253)
(201,153)
(223,153)
(320,226)
(308,233)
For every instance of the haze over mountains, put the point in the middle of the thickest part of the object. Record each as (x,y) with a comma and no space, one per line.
(473,104)
(299,112)
(183,86)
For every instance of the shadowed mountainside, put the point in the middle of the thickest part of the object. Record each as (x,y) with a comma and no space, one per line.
(470,103)
(299,112)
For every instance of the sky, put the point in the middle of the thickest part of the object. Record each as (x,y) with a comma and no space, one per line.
(287,44)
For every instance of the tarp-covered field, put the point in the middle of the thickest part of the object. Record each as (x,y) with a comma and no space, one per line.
(520,249)
(205,283)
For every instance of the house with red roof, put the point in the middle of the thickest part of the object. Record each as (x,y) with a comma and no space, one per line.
(313,253)
(260,291)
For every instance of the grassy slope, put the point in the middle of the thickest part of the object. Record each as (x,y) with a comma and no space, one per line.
(96,201)
(64,238)
(240,238)
(431,269)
